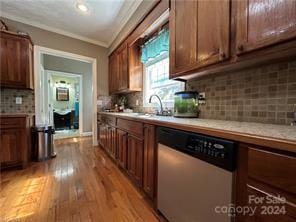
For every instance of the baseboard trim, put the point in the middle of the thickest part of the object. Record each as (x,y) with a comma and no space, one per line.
(86,134)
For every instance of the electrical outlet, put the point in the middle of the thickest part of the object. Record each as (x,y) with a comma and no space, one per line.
(99,102)
(202,98)
(18,100)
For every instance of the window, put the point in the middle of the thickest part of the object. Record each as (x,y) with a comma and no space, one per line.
(156,81)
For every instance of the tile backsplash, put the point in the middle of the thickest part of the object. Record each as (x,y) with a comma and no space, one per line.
(107,102)
(265,94)
(8,104)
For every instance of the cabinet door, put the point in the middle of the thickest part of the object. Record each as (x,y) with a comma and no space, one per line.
(149,162)
(98,131)
(135,159)
(262,23)
(11,147)
(199,34)
(16,62)
(135,67)
(266,176)
(122,148)
(112,147)
(108,138)
(103,135)
(113,73)
(122,61)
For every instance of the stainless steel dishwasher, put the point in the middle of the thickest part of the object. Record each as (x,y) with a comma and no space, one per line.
(195,176)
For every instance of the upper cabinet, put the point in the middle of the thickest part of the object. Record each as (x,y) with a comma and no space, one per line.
(262,23)
(16,61)
(122,59)
(113,73)
(199,34)
(218,36)
(135,67)
(125,69)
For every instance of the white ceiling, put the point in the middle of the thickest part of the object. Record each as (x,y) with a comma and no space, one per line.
(100,25)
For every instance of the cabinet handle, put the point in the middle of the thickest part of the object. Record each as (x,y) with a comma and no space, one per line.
(240,47)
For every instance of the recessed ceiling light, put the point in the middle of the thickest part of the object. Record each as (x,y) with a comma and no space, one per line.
(82,7)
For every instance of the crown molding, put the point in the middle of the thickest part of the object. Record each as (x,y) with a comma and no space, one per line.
(52,29)
(128,12)
(131,10)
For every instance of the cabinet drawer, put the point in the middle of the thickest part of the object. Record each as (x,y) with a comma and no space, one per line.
(132,127)
(110,120)
(273,174)
(274,169)
(15,122)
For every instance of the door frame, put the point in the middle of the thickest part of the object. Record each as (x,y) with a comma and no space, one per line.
(40,117)
(67,74)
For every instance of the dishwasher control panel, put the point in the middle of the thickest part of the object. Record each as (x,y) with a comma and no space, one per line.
(216,151)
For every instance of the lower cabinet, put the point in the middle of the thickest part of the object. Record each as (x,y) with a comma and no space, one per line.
(10,146)
(111,141)
(15,141)
(102,132)
(149,161)
(121,148)
(135,159)
(266,181)
(134,149)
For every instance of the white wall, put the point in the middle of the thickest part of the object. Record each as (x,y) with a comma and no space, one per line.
(77,67)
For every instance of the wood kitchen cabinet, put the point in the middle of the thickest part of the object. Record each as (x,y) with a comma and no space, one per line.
(266,174)
(262,23)
(15,141)
(113,73)
(107,134)
(135,67)
(103,131)
(16,69)
(135,159)
(122,61)
(149,161)
(111,141)
(122,144)
(199,34)
(125,69)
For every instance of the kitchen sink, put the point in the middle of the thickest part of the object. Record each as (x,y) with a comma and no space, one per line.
(145,115)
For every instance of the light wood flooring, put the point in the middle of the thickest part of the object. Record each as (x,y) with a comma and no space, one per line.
(80,184)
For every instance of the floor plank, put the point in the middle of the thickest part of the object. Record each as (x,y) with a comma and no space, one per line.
(80,184)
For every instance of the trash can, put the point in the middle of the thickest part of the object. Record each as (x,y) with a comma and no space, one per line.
(44,147)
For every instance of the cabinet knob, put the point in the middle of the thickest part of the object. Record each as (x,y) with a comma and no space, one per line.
(240,47)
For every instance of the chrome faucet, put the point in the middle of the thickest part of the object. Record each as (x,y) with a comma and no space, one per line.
(160,112)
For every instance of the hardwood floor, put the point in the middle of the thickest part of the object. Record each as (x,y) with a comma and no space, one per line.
(80,184)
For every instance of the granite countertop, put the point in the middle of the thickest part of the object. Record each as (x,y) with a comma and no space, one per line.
(271,135)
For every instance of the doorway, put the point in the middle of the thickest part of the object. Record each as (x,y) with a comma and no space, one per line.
(53,86)
(65,101)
